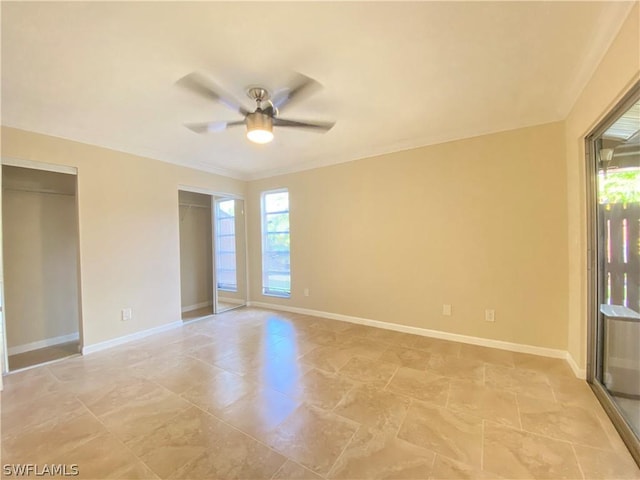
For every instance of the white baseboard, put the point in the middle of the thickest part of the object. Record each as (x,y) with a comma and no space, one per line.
(577,371)
(190,308)
(47,342)
(455,337)
(96,347)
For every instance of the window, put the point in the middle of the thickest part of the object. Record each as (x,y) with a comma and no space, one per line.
(226,245)
(276,270)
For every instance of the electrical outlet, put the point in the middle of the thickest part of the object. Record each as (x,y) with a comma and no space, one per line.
(306,292)
(126,314)
(446,310)
(490,315)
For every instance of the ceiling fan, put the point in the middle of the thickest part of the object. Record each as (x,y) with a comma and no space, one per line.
(261,121)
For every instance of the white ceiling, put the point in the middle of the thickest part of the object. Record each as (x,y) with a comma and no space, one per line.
(395,75)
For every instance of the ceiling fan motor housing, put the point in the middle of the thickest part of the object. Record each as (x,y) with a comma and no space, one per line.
(259,120)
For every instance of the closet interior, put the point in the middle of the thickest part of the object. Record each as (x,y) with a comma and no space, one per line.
(41,266)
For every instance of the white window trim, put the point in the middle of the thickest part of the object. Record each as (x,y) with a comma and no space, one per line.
(262,235)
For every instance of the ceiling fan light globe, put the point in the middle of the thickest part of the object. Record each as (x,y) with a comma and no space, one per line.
(260,136)
(259,127)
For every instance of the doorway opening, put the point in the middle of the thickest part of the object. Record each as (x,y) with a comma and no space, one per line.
(614,356)
(41,266)
(212,254)
(196,262)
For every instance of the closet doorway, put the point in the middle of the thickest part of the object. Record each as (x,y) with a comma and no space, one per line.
(40,265)
(213,274)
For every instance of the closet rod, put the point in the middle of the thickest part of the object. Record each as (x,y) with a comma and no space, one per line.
(193,205)
(46,192)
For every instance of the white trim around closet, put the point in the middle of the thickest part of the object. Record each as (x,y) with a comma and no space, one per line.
(48,167)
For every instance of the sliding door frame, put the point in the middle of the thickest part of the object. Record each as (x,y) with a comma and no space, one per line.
(595,329)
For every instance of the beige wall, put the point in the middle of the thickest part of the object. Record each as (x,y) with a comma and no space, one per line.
(40,267)
(617,72)
(478,223)
(3,367)
(128,220)
(196,264)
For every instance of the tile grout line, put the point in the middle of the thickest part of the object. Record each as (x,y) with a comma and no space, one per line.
(177,414)
(117,438)
(275,474)
(553,390)
(611,449)
(344,449)
(606,427)
(482,447)
(391,378)
(433,464)
(206,412)
(575,455)
(548,437)
(52,374)
(519,413)
(295,463)
(446,404)
(404,418)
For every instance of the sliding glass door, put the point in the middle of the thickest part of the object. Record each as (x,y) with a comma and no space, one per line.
(614,163)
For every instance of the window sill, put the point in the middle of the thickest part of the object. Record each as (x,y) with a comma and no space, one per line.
(277,295)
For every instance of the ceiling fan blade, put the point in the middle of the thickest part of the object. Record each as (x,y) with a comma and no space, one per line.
(269,110)
(204,87)
(303,87)
(207,127)
(316,126)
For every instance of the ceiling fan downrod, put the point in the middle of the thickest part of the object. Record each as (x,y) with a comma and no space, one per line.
(258,94)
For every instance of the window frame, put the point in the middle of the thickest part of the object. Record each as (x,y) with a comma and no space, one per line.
(263,237)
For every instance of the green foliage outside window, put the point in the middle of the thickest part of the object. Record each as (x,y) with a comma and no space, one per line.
(619,186)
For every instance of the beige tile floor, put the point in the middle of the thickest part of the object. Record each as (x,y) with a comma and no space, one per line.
(197,313)
(261,395)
